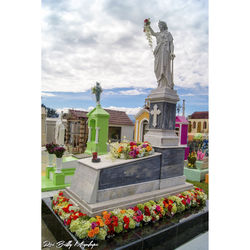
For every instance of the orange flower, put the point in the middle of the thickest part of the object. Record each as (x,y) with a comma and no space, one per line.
(98,217)
(91,233)
(166,204)
(101,222)
(96,230)
(107,222)
(105,212)
(106,216)
(123,211)
(120,149)
(148,148)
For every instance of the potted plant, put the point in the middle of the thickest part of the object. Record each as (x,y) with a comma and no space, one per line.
(50,149)
(59,151)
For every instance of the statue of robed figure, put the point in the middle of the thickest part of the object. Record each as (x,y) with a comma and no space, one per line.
(164,56)
(60,131)
(97,90)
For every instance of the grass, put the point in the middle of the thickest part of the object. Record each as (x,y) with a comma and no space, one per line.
(202,185)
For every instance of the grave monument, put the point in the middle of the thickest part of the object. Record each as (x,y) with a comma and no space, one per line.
(98,123)
(123,183)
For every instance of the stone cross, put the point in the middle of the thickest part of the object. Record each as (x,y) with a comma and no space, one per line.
(155,112)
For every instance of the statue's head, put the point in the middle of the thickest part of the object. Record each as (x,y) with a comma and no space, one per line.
(162,26)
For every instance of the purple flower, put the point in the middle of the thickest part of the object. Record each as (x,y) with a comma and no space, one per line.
(93,225)
(139,212)
(144,145)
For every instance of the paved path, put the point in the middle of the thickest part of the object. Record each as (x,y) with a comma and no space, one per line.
(200,242)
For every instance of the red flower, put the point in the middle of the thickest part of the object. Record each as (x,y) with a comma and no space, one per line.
(135,208)
(126,220)
(170,207)
(68,221)
(66,209)
(61,193)
(183,202)
(146,21)
(147,212)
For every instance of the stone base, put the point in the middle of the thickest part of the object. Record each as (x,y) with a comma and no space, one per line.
(125,202)
(163,94)
(161,138)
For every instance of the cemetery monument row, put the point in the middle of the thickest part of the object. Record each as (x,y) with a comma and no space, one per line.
(122,183)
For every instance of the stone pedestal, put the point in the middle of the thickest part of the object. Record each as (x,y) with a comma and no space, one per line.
(162,115)
(162,135)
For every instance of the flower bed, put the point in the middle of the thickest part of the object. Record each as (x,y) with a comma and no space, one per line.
(114,222)
(130,150)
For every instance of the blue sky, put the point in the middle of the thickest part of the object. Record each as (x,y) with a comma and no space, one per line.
(88,41)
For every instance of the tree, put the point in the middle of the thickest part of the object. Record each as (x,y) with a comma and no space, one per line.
(50,112)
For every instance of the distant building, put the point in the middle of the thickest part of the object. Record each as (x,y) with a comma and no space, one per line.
(198,122)
(76,124)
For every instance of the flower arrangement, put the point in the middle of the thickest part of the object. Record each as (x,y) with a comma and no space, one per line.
(130,149)
(108,224)
(200,155)
(59,151)
(50,147)
(191,160)
(148,32)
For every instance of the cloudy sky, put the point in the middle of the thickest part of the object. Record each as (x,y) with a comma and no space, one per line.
(88,41)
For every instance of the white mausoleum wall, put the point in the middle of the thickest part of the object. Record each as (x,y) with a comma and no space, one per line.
(127,131)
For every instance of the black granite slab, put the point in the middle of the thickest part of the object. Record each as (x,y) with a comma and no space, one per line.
(166,234)
(166,119)
(130,173)
(171,156)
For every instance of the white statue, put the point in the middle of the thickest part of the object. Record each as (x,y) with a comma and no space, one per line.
(60,131)
(164,56)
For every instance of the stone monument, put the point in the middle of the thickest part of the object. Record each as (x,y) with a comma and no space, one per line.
(163,99)
(98,121)
(97,187)
(60,131)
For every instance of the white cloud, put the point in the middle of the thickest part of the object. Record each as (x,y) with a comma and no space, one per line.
(132,92)
(47,94)
(129,111)
(88,41)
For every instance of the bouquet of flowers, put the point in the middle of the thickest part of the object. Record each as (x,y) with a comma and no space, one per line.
(200,155)
(59,151)
(191,160)
(50,147)
(147,32)
(130,149)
